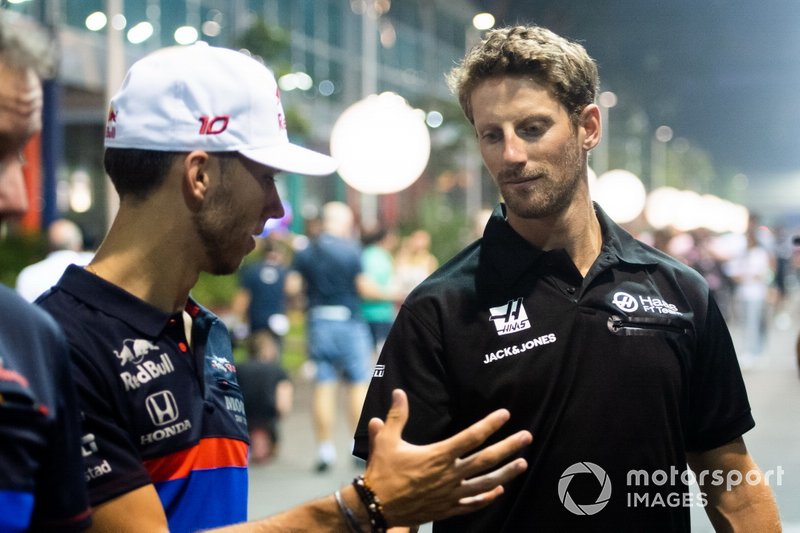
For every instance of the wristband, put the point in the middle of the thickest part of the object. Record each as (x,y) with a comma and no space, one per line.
(377,521)
(352,523)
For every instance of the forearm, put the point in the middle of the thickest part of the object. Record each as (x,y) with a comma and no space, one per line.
(322,514)
(744,507)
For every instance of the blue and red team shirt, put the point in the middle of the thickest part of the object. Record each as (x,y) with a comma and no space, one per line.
(41,475)
(155,410)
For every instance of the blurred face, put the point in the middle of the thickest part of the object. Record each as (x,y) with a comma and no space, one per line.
(529,146)
(243,199)
(20,118)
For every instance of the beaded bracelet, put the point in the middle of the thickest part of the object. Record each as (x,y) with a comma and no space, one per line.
(352,523)
(374,508)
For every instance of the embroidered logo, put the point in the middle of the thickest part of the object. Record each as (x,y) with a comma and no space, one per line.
(625,302)
(649,304)
(379,370)
(162,408)
(510,318)
(134,350)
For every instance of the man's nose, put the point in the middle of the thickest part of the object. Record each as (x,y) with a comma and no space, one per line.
(514,149)
(13,195)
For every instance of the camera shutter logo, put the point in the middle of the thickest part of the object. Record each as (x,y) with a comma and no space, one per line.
(625,302)
(162,408)
(586,508)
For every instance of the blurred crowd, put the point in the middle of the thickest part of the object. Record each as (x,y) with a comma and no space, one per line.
(753,276)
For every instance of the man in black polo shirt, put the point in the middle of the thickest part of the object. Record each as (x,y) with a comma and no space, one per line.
(611,353)
(41,477)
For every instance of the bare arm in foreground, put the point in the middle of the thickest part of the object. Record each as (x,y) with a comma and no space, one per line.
(416,484)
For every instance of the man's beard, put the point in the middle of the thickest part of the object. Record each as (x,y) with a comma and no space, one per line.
(217,227)
(549,194)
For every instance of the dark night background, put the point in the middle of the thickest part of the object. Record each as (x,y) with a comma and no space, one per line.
(724,74)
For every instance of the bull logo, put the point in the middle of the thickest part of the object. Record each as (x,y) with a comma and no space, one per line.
(134,350)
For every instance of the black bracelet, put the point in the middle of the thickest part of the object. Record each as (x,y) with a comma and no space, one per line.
(352,523)
(374,508)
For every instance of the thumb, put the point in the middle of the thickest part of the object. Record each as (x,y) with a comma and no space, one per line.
(396,420)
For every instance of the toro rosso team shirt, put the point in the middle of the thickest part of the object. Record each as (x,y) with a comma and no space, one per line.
(41,477)
(616,374)
(155,410)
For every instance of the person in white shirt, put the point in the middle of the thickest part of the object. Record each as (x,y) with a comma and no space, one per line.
(65,242)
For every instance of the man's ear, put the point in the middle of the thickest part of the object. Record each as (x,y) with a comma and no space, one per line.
(590,126)
(196,180)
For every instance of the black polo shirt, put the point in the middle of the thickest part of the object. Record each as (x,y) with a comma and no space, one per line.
(616,375)
(41,475)
(155,410)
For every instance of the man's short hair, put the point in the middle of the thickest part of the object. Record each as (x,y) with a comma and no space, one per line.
(534,52)
(136,173)
(22,45)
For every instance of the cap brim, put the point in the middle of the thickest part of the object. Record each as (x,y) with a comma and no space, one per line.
(292,158)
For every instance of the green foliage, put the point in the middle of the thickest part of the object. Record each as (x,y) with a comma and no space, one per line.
(17,252)
(215,292)
(269,42)
(448,226)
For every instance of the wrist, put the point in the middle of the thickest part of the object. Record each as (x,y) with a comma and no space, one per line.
(351,502)
(372,504)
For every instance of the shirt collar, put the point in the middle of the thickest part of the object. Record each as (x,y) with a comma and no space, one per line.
(505,255)
(117,302)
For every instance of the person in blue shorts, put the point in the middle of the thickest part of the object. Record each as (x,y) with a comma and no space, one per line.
(329,271)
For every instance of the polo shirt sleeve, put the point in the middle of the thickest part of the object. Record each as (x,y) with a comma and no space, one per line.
(112,462)
(64,494)
(411,360)
(719,410)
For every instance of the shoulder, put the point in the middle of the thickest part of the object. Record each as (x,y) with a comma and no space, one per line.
(455,277)
(28,319)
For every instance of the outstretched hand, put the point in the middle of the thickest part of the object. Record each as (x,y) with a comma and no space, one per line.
(418,484)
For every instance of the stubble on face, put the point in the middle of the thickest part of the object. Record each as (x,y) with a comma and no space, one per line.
(553,189)
(216,225)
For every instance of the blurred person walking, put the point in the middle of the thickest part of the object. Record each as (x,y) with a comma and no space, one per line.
(752,274)
(377,260)
(268,395)
(414,261)
(329,272)
(260,300)
(66,247)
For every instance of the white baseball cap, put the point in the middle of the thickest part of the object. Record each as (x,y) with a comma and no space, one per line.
(202,97)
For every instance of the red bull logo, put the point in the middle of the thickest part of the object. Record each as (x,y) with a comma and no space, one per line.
(134,350)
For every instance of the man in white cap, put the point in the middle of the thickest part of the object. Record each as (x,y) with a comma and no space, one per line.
(194,139)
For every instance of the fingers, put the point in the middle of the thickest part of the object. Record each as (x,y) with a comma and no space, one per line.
(493,479)
(473,503)
(491,455)
(483,490)
(396,419)
(477,433)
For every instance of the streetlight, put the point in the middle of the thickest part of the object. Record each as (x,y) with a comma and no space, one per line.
(606,100)
(472,161)
(658,156)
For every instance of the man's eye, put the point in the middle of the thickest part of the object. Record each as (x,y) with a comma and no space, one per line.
(530,131)
(490,136)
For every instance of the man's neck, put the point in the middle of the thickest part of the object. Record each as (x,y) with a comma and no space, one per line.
(577,230)
(148,260)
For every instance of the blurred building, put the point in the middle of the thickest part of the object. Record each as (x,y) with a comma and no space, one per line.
(327,54)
